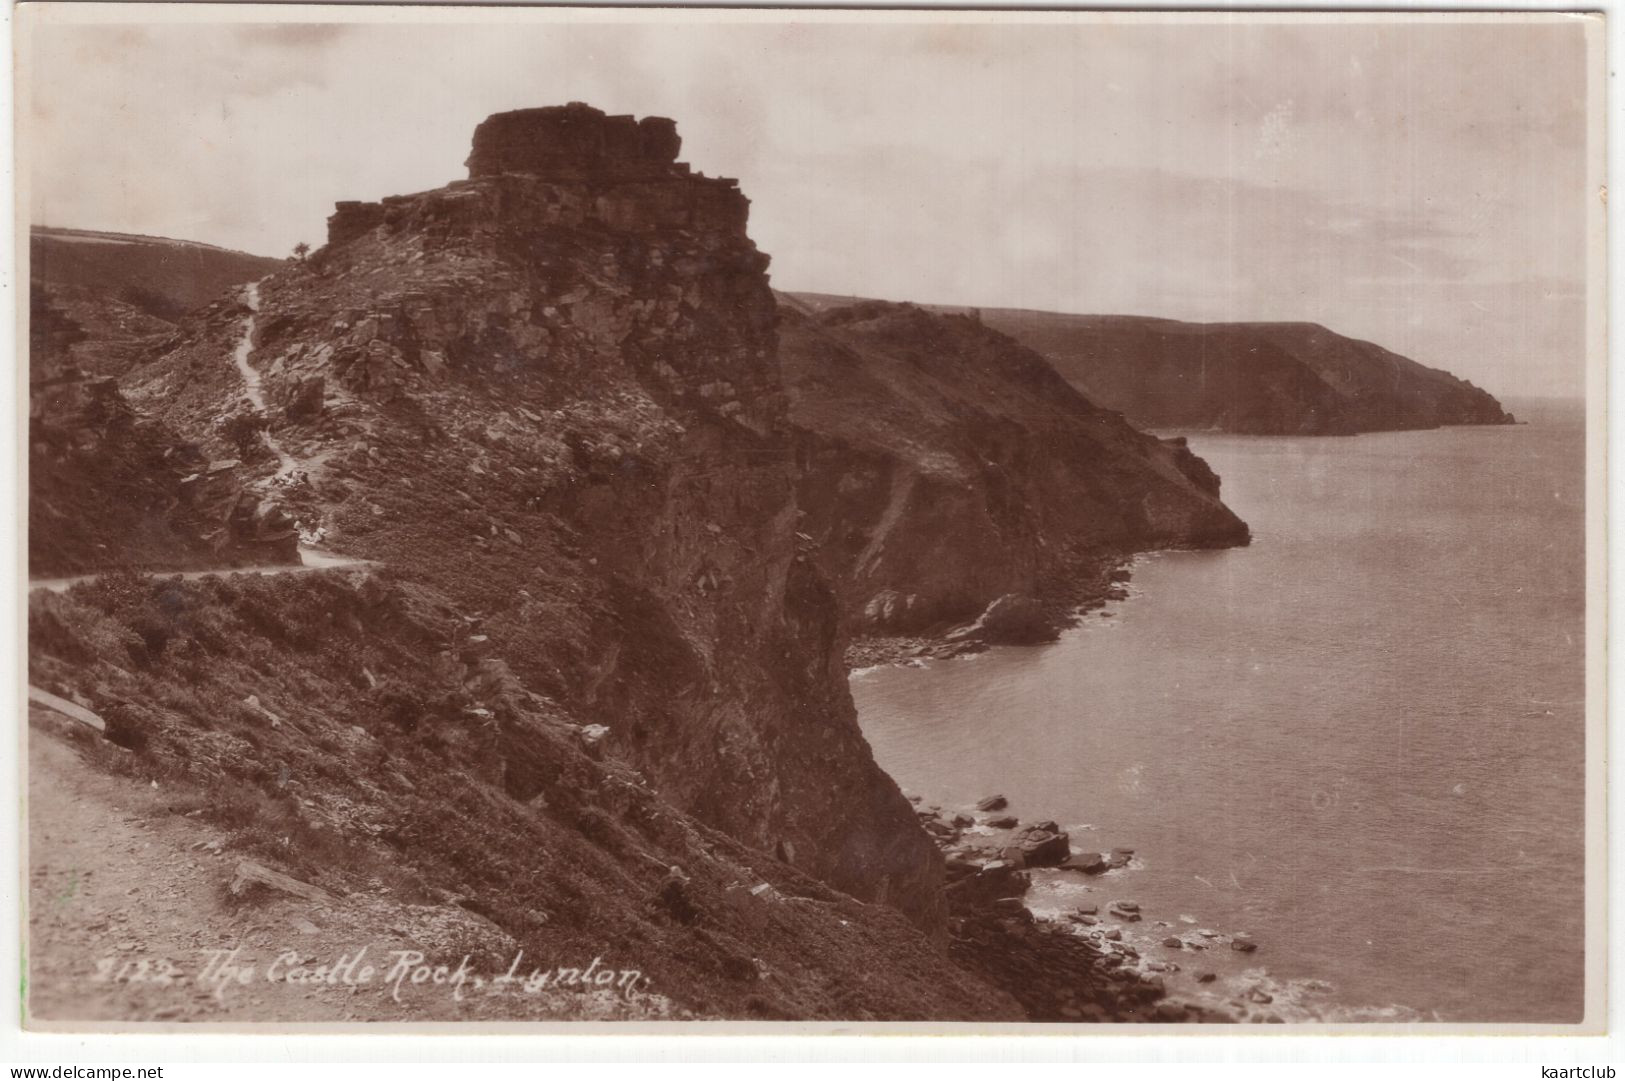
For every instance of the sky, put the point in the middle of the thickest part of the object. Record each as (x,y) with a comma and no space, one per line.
(1418,184)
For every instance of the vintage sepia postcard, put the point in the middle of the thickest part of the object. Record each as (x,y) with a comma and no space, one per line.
(952,521)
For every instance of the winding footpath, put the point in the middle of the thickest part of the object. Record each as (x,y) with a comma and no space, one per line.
(286,463)
(310,559)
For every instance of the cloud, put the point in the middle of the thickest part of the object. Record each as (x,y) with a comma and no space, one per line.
(297,36)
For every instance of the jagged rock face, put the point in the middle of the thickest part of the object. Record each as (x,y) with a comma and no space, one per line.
(1254,378)
(558,402)
(947,467)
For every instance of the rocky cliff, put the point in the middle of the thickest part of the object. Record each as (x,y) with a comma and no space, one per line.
(950,474)
(552,394)
(588,696)
(1254,378)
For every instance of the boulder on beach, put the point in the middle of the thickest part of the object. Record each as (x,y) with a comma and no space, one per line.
(1243,943)
(992,803)
(999,878)
(1089,863)
(1040,848)
(1127,911)
(1003,822)
(1173,942)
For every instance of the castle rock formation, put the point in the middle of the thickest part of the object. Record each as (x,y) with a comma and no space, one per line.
(613,170)
(576,142)
(552,391)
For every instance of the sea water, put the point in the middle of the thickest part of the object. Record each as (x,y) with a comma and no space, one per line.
(1360,740)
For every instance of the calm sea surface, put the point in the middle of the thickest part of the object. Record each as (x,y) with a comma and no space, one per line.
(1360,739)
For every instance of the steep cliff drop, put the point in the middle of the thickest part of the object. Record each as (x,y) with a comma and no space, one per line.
(953,482)
(551,391)
(587,695)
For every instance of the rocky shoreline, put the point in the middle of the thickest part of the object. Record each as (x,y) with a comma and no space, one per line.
(1082,583)
(1057,929)
(1054,925)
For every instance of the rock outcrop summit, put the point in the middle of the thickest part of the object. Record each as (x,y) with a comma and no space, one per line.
(620,171)
(576,142)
